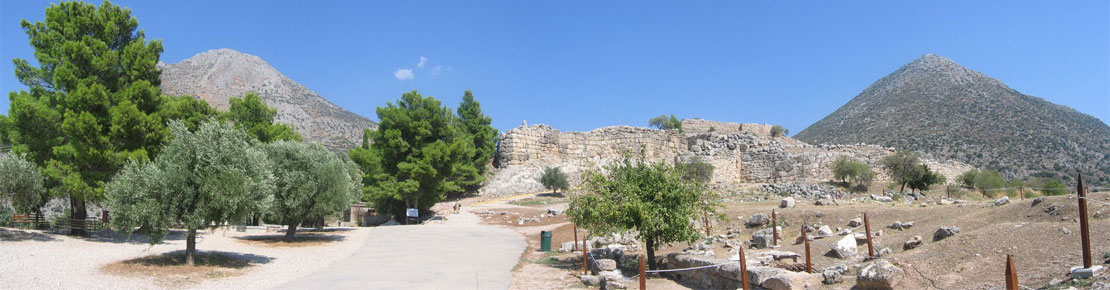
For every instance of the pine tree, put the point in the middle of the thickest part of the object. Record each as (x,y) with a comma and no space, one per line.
(477,127)
(92,100)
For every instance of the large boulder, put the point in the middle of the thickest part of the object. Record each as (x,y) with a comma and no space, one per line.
(758,220)
(833,275)
(824,231)
(787,202)
(1002,201)
(845,247)
(606,264)
(762,241)
(782,279)
(945,232)
(879,275)
(855,222)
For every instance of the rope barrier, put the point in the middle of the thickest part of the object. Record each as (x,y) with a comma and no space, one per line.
(1095,200)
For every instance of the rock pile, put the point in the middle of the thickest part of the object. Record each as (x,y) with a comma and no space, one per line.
(811,191)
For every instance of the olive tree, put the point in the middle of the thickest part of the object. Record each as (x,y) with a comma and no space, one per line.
(310,181)
(21,182)
(201,179)
(554,179)
(651,198)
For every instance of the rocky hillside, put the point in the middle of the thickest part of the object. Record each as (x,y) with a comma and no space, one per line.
(218,75)
(935,106)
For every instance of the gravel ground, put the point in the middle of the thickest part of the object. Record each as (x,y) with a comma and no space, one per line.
(41,260)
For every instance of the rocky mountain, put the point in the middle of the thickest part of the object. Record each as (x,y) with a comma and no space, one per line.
(220,74)
(935,106)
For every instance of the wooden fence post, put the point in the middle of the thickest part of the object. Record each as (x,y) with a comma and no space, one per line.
(1011,274)
(575,237)
(870,245)
(1084,230)
(743,269)
(805,239)
(948,190)
(774,229)
(643,273)
(585,261)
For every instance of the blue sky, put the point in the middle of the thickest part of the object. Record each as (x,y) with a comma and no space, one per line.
(579,65)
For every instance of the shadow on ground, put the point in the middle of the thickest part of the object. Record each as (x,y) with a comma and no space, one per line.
(203,258)
(300,240)
(17,235)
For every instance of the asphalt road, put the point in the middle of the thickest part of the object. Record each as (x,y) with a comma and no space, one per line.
(459,254)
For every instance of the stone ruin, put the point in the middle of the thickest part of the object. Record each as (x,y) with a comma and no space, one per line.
(740,153)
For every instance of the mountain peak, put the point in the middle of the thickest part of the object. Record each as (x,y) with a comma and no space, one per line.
(218,75)
(935,106)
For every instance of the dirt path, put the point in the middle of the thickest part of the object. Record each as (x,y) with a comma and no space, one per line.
(460,253)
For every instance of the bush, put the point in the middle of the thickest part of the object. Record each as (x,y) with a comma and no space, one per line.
(697,170)
(989,181)
(663,122)
(1054,187)
(967,179)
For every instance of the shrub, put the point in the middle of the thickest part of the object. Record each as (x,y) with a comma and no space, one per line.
(967,179)
(989,181)
(554,179)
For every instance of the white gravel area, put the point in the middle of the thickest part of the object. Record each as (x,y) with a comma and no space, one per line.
(42,260)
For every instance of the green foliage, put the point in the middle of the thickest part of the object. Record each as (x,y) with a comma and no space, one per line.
(1054,187)
(213,176)
(310,182)
(697,170)
(989,181)
(252,115)
(850,172)
(417,148)
(189,110)
(483,138)
(903,167)
(21,183)
(922,177)
(664,122)
(968,178)
(779,131)
(652,199)
(554,179)
(92,99)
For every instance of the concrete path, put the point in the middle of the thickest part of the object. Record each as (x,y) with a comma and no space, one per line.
(461,253)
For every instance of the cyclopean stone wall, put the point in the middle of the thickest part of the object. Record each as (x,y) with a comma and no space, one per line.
(740,153)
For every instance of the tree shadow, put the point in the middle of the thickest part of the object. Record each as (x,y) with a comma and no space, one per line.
(202,258)
(17,235)
(299,240)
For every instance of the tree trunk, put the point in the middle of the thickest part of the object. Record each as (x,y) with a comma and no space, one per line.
(190,247)
(651,253)
(77,211)
(903,188)
(291,231)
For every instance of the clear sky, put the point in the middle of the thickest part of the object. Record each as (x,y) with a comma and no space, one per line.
(579,65)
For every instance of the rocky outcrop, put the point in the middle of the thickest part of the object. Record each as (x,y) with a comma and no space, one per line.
(739,153)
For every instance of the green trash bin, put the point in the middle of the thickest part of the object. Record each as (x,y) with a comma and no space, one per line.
(545,241)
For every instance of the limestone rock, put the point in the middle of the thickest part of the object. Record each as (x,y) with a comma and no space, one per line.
(1038,200)
(914,242)
(757,220)
(591,280)
(787,202)
(879,275)
(1002,201)
(945,232)
(855,222)
(824,231)
(833,275)
(844,248)
(606,264)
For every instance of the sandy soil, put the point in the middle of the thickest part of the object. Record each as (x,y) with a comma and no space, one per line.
(973,259)
(43,260)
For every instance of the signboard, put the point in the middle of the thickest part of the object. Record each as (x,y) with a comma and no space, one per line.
(412,212)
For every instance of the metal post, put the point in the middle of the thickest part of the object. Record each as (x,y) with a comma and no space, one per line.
(1011,274)
(643,273)
(948,190)
(1084,230)
(805,239)
(870,246)
(774,229)
(1021,191)
(743,269)
(575,237)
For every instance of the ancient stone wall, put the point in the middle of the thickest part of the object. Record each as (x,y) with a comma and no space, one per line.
(738,155)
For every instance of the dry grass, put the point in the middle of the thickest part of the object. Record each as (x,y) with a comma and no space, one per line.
(170,268)
(300,240)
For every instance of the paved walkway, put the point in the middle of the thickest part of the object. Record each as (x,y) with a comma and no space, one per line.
(458,254)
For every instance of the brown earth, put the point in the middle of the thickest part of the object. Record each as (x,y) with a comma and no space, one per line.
(169,270)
